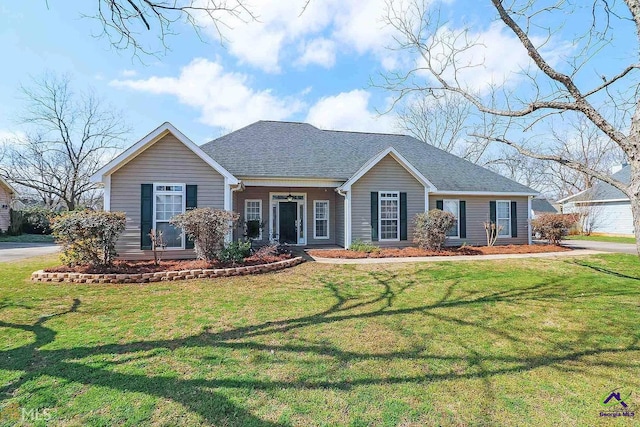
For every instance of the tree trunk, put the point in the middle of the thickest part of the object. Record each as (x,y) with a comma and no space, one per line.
(634,198)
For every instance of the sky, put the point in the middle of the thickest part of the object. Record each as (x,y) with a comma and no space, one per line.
(316,66)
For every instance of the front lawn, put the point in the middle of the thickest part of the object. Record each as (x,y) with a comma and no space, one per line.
(487,343)
(613,239)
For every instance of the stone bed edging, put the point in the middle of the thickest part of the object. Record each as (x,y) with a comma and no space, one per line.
(161,276)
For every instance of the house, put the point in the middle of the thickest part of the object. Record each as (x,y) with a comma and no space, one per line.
(307,186)
(540,206)
(7,197)
(607,209)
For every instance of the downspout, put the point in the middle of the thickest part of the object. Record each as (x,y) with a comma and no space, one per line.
(228,205)
(529,217)
(347,216)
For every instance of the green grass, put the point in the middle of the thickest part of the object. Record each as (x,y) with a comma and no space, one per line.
(613,239)
(28,238)
(527,342)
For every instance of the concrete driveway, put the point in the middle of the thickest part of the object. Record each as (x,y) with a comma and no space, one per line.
(625,248)
(16,251)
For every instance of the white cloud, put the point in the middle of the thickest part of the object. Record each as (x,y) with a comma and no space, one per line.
(225,99)
(319,51)
(349,111)
(327,27)
(129,73)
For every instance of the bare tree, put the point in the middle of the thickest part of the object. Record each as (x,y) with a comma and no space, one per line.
(546,88)
(68,137)
(445,122)
(133,24)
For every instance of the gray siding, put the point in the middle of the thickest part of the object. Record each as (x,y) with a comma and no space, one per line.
(477,210)
(168,161)
(387,175)
(312,194)
(605,218)
(5,200)
(339,220)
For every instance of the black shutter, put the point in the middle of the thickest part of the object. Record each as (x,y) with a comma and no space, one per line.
(514,220)
(146,215)
(492,212)
(403,216)
(374,216)
(191,203)
(462,219)
(439,204)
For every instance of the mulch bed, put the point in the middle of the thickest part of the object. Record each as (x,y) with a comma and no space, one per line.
(416,252)
(139,267)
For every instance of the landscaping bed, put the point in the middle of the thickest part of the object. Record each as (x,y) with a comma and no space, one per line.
(148,266)
(417,252)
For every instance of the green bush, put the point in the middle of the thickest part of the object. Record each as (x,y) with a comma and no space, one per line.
(37,220)
(235,252)
(16,222)
(430,228)
(360,246)
(88,237)
(207,227)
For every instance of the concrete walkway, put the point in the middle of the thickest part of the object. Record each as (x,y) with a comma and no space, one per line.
(577,252)
(625,248)
(17,251)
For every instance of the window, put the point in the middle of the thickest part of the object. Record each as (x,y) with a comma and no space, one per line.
(253,212)
(321,219)
(389,214)
(169,201)
(453,207)
(503,217)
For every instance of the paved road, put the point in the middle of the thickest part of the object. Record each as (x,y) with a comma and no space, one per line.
(626,248)
(17,251)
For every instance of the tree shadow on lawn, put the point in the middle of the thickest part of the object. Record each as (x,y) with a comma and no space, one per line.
(198,396)
(601,269)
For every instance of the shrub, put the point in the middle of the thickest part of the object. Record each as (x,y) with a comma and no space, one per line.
(430,228)
(88,237)
(366,247)
(37,220)
(235,252)
(16,221)
(208,228)
(553,227)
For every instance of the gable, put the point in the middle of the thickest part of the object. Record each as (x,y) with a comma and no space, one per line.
(388,174)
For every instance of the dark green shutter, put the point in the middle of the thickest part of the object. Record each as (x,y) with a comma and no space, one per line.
(374,216)
(514,220)
(492,212)
(403,216)
(191,203)
(146,215)
(439,204)
(462,219)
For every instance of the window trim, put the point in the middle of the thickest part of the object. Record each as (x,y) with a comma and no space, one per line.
(457,236)
(184,208)
(315,218)
(396,197)
(245,213)
(508,235)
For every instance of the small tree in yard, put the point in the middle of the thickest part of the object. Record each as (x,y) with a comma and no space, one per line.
(553,227)
(207,227)
(430,228)
(88,237)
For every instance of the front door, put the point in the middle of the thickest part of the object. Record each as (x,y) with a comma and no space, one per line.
(287,222)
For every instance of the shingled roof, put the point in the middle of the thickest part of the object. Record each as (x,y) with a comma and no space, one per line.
(300,150)
(602,190)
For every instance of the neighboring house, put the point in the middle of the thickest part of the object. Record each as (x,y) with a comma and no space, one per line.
(7,197)
(541,206)
(607,209)
(307,186)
